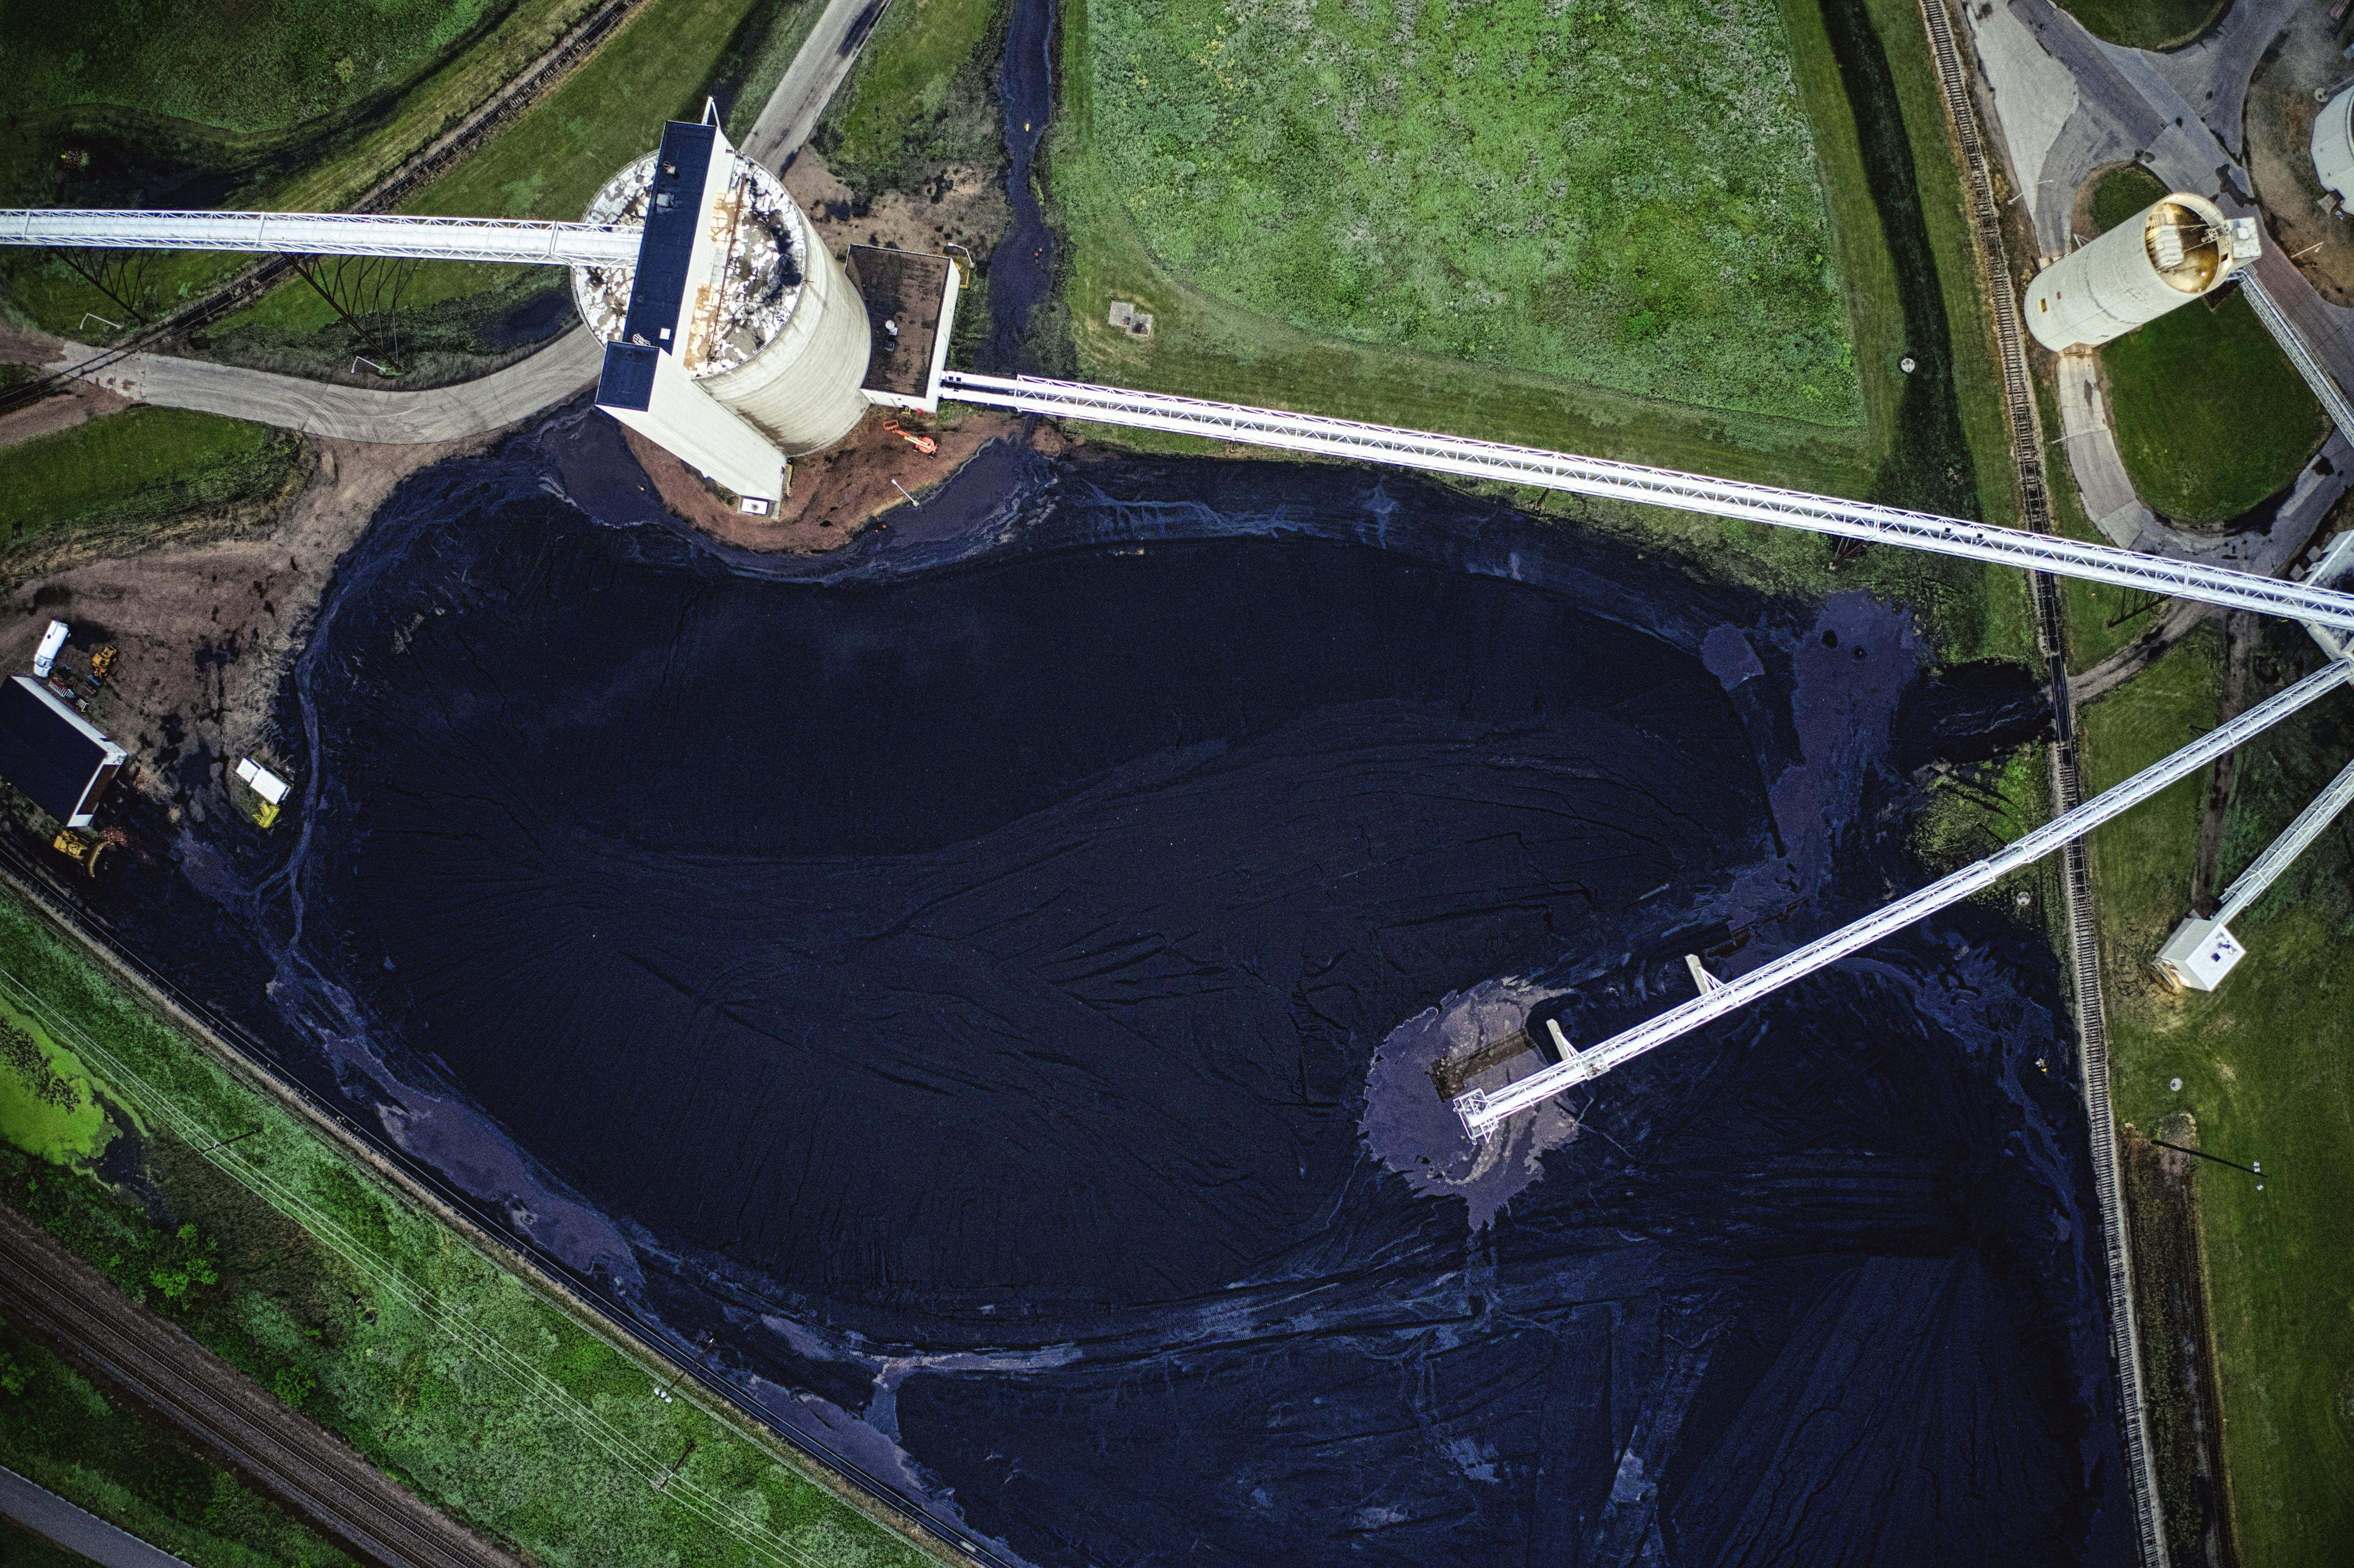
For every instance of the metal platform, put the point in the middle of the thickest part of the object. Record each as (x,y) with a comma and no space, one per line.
(326,234)
(1654,487)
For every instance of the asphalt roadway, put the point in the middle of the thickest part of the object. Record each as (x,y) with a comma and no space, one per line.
(72,1306)
(49,1516)
(560,371)
(2067,104)
(818,71)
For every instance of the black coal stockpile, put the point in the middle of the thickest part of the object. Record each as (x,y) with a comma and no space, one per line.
(961,987)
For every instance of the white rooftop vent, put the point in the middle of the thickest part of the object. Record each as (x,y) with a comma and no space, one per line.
(2246,239)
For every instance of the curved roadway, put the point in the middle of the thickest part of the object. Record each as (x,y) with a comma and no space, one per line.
(546,378)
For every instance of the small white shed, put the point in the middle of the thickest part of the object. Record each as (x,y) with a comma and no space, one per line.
(2200,954)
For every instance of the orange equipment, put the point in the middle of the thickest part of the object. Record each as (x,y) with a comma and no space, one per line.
(924,444)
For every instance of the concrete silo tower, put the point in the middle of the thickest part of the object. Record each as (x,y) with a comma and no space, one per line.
(2174,250)
(732,286)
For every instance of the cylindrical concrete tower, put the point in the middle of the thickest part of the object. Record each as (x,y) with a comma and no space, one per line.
(776,332)
(2177,248)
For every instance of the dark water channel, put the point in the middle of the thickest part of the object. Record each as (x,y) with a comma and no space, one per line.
(966,982)
(1022,268)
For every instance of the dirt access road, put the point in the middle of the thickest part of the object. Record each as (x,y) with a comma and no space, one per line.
(72,1306)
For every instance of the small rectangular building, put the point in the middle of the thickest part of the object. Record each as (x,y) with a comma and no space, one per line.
(911,300)
(2200,954)
(53,753)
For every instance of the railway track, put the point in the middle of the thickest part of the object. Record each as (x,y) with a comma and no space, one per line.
(71,1304)
(2067,789)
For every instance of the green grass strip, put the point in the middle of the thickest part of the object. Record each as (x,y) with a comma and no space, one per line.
(2265,1069)
(142,465)
(484,1398)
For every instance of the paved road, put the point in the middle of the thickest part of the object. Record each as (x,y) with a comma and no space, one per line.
(559,371)
(545,378)
(810,83)
(63,1300)
(2181,114)
(2125,520)
(47,1515)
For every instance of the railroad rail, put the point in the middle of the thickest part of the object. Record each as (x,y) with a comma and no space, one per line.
(2075,875)
(72,1304)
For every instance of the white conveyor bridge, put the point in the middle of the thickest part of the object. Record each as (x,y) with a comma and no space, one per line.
(2202,950)
(1657,487)
(1482,1110)
(327,234)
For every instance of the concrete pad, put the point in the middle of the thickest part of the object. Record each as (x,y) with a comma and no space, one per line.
(562,369)
(2034,94)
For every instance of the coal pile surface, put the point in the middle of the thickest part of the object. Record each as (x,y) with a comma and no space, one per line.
(956,988)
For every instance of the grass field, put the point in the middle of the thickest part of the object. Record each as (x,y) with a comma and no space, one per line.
(2264,1066)
(547,163)
(237,64)
(95,154)
(921,94)
(296,1264)
(139,467)
(1617,194)
(2146,24)
(1927,306)
(2211,415)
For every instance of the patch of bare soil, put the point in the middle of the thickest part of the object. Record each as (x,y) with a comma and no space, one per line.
(205,623)
(2281,110)
(837,492)
(21,345)
(964,205)
(70,405)
(2178,1352)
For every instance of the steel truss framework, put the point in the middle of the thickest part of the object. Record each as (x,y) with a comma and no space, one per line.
(326,234)
(2326,613)
(1482,1110)
(1656,487)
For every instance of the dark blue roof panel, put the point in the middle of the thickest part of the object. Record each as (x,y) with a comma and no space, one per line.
(658,291)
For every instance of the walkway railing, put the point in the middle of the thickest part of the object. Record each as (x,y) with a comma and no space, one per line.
(1537,467)
(2300,354)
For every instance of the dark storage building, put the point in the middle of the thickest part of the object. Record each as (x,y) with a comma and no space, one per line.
(52,752)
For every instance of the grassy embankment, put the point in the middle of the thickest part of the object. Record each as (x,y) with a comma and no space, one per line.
(296,1262)
(219,136)
(921,97)
(2265,1067)
(2146,24)
(2211,415)
(547,163)
(124,474)
(1856,82)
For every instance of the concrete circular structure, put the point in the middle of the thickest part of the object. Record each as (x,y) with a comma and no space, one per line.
(2333,146)
(2171,253)
(781,339)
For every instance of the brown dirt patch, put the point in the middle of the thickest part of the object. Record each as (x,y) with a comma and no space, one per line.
(2280,115)
(837,492)
(205,626)
(74,402)
(964,204)
(2178,1351)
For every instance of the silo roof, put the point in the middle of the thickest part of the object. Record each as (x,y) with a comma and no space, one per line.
(2333,144)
